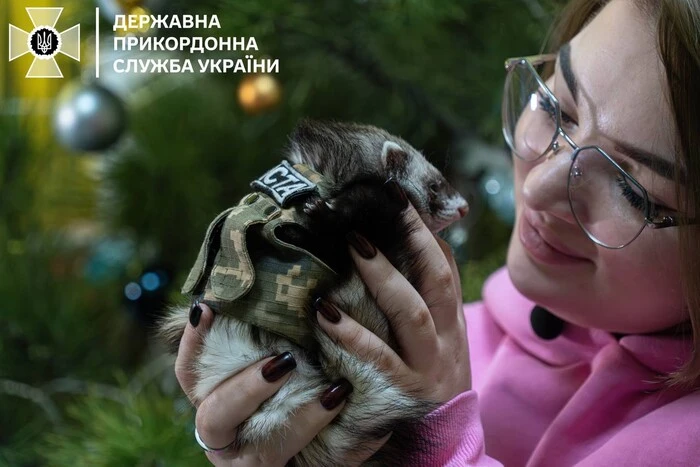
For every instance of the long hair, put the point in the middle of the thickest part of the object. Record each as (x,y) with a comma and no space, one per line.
(677,24)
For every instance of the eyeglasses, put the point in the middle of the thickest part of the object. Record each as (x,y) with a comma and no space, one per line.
(609,204)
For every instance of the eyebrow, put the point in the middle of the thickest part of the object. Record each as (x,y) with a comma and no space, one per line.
(565,64)
(656,163)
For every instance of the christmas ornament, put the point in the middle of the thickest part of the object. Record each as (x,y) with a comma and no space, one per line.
(140,29)
(89,117)
(258,93)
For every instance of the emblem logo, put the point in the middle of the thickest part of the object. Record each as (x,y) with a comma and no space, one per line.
(283,183)
(44,42)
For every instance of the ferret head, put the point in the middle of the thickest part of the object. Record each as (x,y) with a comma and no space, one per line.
(433,197)
(343,151)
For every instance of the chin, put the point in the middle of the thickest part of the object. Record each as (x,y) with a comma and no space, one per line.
(541,287)
(525,277)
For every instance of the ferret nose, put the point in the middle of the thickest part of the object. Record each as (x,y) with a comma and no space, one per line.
(463,210)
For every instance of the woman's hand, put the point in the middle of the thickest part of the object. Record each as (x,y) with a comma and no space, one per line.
(238,397)
(433,362)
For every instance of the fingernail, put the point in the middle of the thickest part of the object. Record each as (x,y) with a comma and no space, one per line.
(195,314)
(396,193)
(327,309)
(362,245)
(336,394)
(278,367)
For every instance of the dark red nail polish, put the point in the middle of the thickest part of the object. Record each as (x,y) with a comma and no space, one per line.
(336,394)
(327,309)
(362,245)
(278,367)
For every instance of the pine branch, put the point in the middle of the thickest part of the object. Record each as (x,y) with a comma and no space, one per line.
(359,58)
(39,397)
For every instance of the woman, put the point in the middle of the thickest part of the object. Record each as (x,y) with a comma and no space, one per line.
(582,352)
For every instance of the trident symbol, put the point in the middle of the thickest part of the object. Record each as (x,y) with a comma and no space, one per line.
(44,42)
(67,42)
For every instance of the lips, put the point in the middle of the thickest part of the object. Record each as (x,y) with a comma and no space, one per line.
(542,245)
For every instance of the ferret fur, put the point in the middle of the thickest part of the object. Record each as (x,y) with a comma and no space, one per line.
(357,159)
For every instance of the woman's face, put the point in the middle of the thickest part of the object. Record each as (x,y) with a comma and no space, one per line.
(615,96)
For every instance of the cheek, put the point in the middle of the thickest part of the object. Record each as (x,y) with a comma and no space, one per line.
(648,266)
(644,278)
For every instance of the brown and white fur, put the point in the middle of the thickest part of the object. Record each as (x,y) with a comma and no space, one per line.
(357,159)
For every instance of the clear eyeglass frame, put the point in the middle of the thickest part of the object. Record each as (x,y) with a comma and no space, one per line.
(659,222)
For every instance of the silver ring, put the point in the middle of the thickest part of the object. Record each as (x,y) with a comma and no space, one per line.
(207,448)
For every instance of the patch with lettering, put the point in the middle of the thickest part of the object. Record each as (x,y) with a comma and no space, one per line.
(283,183)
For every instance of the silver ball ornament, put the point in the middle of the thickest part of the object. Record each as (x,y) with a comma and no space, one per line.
(89,117)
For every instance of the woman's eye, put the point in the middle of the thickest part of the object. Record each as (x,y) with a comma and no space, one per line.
(567,119)
(546,104)
(630,193)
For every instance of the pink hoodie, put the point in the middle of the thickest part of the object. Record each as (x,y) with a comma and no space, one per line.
(584,398)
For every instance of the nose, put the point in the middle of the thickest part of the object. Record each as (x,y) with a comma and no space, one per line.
(461,205)
(545,187)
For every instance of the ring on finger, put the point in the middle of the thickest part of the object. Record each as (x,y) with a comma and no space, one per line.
(207,448)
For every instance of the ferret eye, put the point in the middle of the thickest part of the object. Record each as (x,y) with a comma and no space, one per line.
(434,187)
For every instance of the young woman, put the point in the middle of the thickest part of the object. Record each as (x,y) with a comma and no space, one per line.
(583,349)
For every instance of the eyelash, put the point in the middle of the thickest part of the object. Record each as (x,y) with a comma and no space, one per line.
(546,105)
(635,200)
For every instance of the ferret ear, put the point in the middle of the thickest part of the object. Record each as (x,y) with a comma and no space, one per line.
(394,158)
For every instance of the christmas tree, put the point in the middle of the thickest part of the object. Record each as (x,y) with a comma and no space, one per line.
(108,184)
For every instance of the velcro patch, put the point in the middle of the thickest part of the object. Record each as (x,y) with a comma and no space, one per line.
(283,183)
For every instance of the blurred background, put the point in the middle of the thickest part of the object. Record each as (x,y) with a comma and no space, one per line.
(102,213)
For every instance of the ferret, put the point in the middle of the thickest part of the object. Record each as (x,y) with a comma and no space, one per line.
(357,160)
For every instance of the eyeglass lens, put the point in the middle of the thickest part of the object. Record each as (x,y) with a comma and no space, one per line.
(607,204)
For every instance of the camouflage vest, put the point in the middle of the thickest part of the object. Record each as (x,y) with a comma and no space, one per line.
(245,271)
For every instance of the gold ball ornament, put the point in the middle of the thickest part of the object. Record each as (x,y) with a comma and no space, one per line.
(135,10)
(258,93)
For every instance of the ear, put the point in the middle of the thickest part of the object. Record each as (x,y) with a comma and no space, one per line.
(394,159)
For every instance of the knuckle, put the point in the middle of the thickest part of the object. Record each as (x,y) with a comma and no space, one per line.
(444,280)
(421,319)
(384,285)
(355,337)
